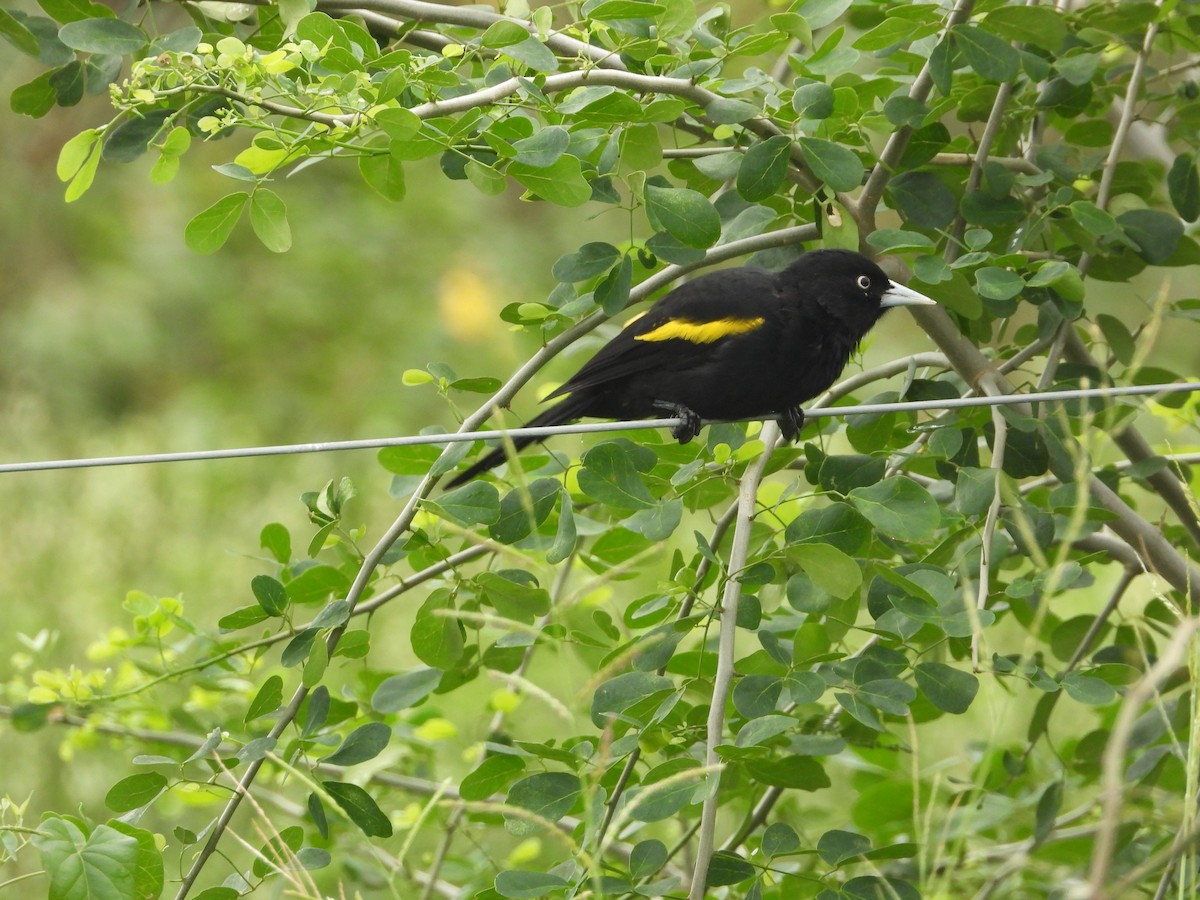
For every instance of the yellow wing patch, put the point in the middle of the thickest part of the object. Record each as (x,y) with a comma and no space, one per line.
(700,332)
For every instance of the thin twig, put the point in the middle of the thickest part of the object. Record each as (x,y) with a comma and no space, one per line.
(1113,761)
(723,680)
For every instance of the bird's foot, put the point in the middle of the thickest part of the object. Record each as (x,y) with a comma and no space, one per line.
(790,422)
(689,422)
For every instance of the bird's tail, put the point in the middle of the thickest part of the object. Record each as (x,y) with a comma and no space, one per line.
(559,414)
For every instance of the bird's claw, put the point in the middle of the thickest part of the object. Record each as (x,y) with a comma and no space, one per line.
(790,423)
(689,422)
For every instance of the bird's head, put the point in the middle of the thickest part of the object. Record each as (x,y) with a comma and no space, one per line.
(849,287)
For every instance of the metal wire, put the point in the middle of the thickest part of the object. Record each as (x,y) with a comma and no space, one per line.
(586,428)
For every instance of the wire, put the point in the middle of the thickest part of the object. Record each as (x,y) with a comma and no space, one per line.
(585,428)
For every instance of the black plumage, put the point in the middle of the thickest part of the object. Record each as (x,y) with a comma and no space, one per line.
(732,344)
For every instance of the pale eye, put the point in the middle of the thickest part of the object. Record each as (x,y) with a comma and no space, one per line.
(864,282)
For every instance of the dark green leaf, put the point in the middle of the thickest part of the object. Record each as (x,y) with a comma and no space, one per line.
(586,262)
(270,594)
(727,867)
(779,839)
(522,511)
(801,773)
(360,807)
(490,777)
(512,599)
(1088,689)
(813,100)
(658,522)
(756,695)
(763,168)
(1155,233)
(17,34)
(403,691)
(612,293)
(35,98)
(548,795)
(996,283)
(566,535)
(618,694)
(898,507)
(363,743)
(562,182)
(524,885)
(108,36)
(134,791)
(647,857)
(836,524)
(684,214)
(833,164)
(1183,183)
(610,477)
(544,147)
(835,847)
(267,700)
(949,689)
(437,639)
(475,503)
(923,199)
(1043,26)
(990,56)
(317,583)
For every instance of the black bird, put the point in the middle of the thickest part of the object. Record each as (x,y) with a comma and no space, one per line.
(732,344)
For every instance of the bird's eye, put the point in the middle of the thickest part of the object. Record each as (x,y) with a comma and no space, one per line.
(864,282)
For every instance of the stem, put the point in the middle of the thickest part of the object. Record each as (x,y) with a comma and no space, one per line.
(722,683)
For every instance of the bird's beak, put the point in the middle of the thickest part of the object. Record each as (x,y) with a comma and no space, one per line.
(899,295)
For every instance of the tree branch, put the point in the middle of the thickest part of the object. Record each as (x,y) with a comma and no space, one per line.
(723,681)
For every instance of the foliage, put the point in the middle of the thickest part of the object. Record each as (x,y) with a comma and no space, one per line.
(771,687)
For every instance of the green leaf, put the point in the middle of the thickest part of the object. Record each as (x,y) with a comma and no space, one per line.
(726,867)
(620,693)
(757,695)
(268,699)
(384,172)
(949,689)
(1043,26)
(833,164)
(35,98)
(988,55)
(522,511)
(271,595)
(150,876)
(658,522)
(475,503)
(828,567)
(74,10)
(101,864)
(923,199)
(360,807)
(995,283)
(17,34)
(1156,233)
(611,10)
(513,600)
(129,140)
(725,111)
(1183,184)
(316,583)
(268,216)
(813,100)
(503,34)
(549,795)
(75,153)
(490,777)
(1093,218)
(437,639)
(406,690)
(779,839)
(561,182)
(684,214)
(134,791)
(647,857)
(587,262)
(363,743)
(68,83)
(1088,689)
(544,147)
(280,850)
(795,772)
(107,36)
(525,885)
(566,535)
(835,847)
(610,477)
(209,230)
(612,293)
(276,540)
(898,507)
(763,168)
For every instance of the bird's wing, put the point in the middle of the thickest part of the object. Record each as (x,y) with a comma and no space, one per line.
(678,329)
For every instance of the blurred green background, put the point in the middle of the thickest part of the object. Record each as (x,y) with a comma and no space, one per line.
(118,340)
